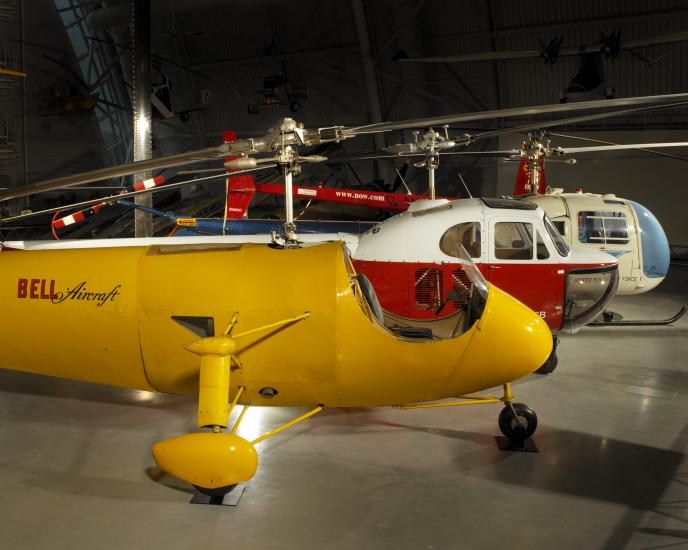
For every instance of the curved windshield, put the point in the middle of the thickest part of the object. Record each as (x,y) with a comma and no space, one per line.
(477,292)
(587,293)
(474,274)
(654,243)
(559,242)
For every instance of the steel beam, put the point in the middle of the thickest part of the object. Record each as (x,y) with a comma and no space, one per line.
(369,78)
(139,29)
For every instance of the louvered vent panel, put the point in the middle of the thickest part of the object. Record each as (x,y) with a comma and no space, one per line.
(461,284)
(429,288)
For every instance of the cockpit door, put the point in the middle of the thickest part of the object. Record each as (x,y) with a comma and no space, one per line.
(522,262)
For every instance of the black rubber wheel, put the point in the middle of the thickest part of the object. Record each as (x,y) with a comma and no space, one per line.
(549,365)
(216,495)
(517,432)
(294,106)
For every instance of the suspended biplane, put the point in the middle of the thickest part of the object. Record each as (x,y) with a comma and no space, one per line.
(212,319)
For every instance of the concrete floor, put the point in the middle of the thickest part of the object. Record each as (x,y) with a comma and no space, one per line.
(76,469)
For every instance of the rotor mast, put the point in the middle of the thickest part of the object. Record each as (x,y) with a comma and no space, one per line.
(535,152)
(433,142)
(288,159)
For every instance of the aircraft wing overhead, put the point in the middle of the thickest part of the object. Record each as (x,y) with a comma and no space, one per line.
(595,47)
(468,57)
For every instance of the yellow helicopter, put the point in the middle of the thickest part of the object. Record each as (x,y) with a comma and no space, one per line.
(256,324)
(277,327)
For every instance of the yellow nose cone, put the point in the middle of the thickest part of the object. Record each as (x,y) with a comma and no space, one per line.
(511,342)
(209,460)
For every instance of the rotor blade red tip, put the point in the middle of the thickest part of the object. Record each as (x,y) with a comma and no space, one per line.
(149,183)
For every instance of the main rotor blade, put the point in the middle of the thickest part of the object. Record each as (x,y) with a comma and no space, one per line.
(390,156)
(373,155)
(189,157)
(563,52)
(517,152)
(202,171)
(572,120)
(619,147)
(603,142)
(318,136)
(113,198)
(513,112)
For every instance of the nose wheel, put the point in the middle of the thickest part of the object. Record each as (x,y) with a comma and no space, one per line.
(517,422)
(552,360)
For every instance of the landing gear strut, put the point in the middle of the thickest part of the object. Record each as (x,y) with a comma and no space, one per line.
(516,421)
(216,461)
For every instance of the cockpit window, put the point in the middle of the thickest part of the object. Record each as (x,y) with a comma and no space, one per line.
(513,241)
(466,234)
(559,242)
(602,227)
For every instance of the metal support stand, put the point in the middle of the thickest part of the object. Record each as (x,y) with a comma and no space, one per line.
(230,499)
(505,444)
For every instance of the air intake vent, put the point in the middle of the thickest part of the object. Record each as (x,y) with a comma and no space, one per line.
(429,288)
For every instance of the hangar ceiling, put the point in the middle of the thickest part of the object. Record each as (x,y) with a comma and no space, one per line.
(216,61)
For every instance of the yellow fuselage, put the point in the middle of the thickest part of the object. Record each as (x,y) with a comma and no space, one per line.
(104,315)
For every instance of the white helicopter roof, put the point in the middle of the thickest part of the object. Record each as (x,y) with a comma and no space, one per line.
(416,233)
(557,203)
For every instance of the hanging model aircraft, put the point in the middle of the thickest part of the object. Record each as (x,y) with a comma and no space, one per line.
(250,338)
(589,76)
(609,45)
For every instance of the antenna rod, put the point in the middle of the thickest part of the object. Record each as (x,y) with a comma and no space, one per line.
(465,186)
